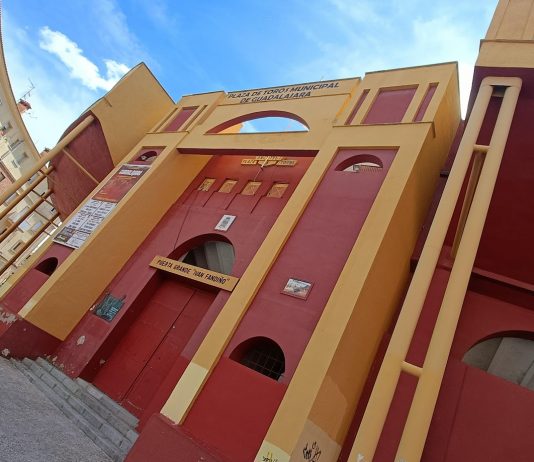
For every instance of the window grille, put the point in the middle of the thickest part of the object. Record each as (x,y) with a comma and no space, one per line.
(264,356)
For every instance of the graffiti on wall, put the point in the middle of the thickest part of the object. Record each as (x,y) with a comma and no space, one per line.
(312,452)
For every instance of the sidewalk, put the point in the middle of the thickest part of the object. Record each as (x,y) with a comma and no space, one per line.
(32,429)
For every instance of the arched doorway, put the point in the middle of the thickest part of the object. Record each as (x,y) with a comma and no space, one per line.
(134,374)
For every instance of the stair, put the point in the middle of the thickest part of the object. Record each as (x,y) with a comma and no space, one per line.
(109,425)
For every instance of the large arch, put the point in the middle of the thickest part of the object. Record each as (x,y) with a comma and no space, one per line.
(254,116)
(209,251)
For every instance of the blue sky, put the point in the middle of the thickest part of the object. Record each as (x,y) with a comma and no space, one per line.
(73,51)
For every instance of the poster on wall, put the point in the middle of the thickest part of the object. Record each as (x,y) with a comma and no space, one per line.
(225,222)
(95,210)
(121,182)
(109,307)
(297,288)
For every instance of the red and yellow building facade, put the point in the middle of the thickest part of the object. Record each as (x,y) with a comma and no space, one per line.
(302,295)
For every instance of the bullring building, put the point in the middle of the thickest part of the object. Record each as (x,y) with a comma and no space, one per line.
(357,288)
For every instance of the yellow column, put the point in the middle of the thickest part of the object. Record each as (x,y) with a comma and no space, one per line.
(424,401)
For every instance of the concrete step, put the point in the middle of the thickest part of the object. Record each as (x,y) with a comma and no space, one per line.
(108,425)
(115,408)
(105,407)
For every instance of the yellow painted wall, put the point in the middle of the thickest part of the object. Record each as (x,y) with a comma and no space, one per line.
(380,294)
(510,36)
(224,326)
(319,112)
(130,109)
(513,20)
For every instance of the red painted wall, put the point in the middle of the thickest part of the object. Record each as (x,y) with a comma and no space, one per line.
(20,339)
(506,244)
(71,185)
(151,346)
(357,106)
(478,416)
(492,419)
(20,293)
(179,119)
(390,105)
(338,209)
(195,213)
(163,442)
(426,101)
(235,411)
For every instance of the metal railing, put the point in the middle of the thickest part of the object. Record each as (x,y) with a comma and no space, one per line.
(26,185)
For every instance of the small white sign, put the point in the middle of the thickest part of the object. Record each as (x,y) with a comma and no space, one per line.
(225,222)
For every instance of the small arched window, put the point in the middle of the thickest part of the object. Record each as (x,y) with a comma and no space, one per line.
(362,167)
(361,164)
(262,355)
(511,358)
(47,266)
(147,157)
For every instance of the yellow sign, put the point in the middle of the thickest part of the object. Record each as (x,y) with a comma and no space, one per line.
(268,161)
(305,90)
(222,281)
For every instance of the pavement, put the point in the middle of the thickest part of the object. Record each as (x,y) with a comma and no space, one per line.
(32,429)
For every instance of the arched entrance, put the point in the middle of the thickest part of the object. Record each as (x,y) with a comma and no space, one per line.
(135,372)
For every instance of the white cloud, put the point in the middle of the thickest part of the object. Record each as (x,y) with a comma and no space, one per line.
(80,67)
(444,39)
(160,15)
(55,102)
(67,86)
(55,105)
(361,12)
(115,33)
(248,127)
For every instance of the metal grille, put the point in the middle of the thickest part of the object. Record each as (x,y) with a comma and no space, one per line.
(363,167)
(266,359)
